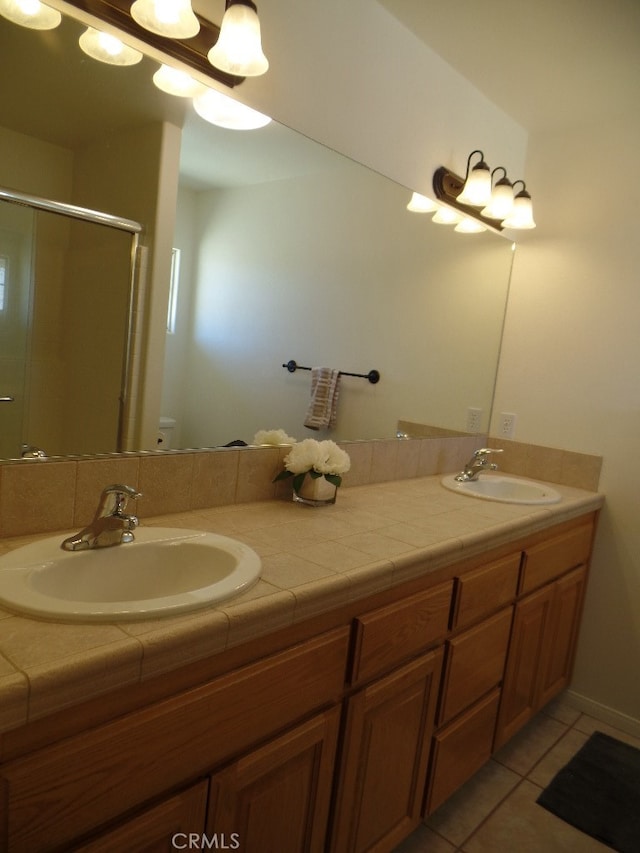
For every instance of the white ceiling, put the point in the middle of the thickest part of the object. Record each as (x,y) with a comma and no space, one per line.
(547,63)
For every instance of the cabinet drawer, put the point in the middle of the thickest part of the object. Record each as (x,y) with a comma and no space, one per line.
(182,814)
(392,634)
(461,749)
(549,560)
(486,589)
(475,664)
(65,790)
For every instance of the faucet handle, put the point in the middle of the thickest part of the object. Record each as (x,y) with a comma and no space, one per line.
(485,451)
(114,499)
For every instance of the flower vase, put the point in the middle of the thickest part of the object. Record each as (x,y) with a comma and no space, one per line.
(315,491)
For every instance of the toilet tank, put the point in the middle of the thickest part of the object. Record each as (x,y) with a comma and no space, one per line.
(166,433)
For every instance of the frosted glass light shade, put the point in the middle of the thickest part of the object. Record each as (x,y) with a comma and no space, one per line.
(421,204)
(223,111)
(239,46)
(107,48)
(477,189)
(521,217)
(470,226)
(173,81)
(501,203)
(446,216)
(30,13)
(170,18)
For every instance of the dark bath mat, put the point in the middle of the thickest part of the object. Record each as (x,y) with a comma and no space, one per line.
(598,792)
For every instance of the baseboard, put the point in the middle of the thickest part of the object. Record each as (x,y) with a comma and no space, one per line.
(614,718)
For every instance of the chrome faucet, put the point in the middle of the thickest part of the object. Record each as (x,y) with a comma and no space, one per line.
(110,525)
(478,462)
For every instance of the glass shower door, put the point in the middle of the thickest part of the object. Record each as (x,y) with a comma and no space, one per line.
(16,292)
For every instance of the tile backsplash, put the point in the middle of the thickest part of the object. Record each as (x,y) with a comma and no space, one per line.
(60,494)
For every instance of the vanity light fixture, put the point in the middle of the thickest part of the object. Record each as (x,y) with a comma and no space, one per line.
(238,49)
(30,13)
(421,204)
(477,183)
(223,111)
(169,18)
(107,48)
(173,81)
(500,210)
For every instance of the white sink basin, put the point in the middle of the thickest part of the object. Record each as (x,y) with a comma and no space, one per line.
(163,572)
(496,487)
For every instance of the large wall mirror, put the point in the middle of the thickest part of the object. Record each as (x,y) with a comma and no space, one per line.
(280,250)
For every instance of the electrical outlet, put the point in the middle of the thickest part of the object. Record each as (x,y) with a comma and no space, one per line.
(474,419)
(508,425)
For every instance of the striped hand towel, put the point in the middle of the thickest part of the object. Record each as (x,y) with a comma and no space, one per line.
(325,389)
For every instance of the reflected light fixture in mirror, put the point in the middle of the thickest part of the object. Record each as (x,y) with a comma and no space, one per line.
(421,204)
(169,18)
(239,46)
(446,216)
(107,48)
(30,13)
(470,226)
(223,111)
(173,81)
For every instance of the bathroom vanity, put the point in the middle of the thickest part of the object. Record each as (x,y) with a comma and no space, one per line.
(385,690)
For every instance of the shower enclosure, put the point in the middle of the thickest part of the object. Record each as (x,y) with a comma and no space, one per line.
(67,290)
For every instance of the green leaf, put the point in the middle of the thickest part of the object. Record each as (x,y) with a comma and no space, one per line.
(283,475)
(298,480)
(336,479)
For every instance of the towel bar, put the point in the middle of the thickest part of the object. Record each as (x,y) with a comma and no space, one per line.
(373,376)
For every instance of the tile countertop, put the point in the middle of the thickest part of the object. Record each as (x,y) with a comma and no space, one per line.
(373,538)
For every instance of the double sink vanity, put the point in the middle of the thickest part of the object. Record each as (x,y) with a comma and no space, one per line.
(340,687)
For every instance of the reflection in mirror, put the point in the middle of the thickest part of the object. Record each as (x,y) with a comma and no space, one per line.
(64,329)
(287,251)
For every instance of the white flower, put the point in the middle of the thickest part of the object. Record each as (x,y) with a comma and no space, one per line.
(272,436)
(324,457)
(335,460)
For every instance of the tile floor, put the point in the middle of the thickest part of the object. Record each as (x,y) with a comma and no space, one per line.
(496,810)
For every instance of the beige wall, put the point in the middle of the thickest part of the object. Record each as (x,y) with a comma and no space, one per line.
(570,367)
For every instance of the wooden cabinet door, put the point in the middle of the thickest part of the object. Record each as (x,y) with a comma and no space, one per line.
(383,775)
(460,749)
(561,638)
(520,687)
(276,799)
(162,828)
(474,665)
